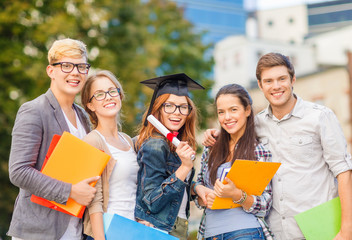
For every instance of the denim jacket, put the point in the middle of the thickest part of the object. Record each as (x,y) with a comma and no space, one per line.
(159,191)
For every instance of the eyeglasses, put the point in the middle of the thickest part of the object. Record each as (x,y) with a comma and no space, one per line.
(171,108)
(68,67)
(101,95)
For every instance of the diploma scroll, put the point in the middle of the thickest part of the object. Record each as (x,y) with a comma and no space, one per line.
(164,131)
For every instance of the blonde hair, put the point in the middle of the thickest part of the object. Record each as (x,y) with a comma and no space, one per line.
(86,94)
(67,48)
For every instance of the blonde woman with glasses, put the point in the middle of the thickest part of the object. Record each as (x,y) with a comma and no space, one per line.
(116,191)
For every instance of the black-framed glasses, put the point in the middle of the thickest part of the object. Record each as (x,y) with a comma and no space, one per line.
(184,109)
(68,67)
(101,95)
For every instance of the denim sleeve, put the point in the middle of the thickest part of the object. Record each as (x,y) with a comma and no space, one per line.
(159,186)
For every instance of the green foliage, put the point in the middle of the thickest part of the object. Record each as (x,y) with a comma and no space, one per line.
(134,39)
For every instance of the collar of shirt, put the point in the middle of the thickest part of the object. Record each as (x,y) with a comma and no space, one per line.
(297,111)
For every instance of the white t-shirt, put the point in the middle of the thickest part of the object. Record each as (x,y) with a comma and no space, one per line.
(123,181)
(74,228)
(182,210)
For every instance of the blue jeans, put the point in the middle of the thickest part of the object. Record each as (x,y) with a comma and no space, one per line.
(243,234)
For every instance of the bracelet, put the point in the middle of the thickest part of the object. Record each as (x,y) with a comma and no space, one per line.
(194,187)
(242,199)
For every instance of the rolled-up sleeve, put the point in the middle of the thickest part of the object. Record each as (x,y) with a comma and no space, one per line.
(334,143)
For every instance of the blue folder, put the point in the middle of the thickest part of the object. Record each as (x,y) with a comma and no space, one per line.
(118,227)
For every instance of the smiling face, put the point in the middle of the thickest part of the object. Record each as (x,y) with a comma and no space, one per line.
(174,121)
(232,115)
(277,87)
(66,84)
(110,106)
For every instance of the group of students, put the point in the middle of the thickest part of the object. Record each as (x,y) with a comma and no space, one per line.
(149,180)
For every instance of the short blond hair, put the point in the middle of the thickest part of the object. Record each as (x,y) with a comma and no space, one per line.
(67,48)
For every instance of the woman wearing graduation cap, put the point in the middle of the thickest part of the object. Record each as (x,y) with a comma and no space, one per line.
(165,172)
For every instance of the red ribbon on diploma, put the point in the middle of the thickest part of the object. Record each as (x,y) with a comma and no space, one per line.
(170,135)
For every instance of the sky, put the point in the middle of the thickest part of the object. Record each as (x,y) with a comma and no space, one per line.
(271,4)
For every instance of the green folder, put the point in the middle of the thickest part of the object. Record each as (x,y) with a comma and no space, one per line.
(322,222)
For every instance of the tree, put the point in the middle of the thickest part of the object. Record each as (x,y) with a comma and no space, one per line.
(134,39)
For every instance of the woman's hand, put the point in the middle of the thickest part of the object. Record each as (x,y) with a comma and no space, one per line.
(144,222)
(185,152)
(202,193)
(210,199)
(227,190)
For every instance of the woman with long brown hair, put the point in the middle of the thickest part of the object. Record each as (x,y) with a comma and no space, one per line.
(236,140)
(165,171)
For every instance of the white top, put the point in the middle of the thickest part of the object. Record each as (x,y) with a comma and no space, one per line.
(311,146)
(123,181)
(182,210)
(74,228)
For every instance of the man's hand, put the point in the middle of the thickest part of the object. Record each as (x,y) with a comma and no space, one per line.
(341,236)
(82,192)
(210,137)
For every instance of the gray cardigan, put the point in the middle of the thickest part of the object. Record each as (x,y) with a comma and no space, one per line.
(36,123)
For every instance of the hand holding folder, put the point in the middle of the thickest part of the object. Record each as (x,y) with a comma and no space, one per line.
(250,176)
(71,160)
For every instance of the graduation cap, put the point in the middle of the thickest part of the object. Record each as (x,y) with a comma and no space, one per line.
(178,84)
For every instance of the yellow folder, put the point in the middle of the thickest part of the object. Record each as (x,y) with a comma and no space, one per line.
(250,176)
(72,160)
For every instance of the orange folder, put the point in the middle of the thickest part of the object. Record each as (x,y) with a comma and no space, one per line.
(71,160)
(250,176)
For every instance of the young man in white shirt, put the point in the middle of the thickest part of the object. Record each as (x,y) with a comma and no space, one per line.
(308,140)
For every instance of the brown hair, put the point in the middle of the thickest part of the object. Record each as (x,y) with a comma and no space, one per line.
(67,48)
(186,133)
(273,60)
(245,147)
(86,92)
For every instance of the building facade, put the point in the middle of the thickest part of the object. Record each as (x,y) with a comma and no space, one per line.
(329,15)
(219,18)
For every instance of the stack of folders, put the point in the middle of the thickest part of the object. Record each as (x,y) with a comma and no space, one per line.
(250,176)
(71,160)
(118,227)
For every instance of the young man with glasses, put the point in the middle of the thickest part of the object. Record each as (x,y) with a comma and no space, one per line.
(36,122)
